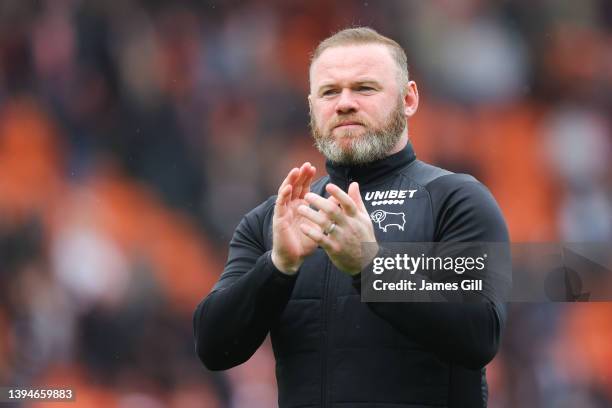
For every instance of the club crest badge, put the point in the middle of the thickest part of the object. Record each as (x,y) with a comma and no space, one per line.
(385,219)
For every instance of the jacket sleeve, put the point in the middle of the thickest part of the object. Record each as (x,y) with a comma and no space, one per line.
(234,319)
(464,333)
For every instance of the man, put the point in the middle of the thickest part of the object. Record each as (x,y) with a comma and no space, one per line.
(294,262)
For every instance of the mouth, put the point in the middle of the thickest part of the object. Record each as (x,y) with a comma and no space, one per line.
(346,125)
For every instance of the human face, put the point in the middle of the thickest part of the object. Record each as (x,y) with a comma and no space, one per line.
(357,110)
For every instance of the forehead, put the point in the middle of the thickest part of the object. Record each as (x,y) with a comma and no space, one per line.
(353,62)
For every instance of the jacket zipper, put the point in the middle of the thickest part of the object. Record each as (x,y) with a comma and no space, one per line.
(327,307)
(348,180)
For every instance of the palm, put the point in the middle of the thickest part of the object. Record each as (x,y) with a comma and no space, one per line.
(293,243)
(290,244)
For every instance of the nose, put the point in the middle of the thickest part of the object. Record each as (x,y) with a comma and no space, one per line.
(346,102)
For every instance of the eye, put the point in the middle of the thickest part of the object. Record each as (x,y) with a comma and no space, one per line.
(330,92)
(364,88)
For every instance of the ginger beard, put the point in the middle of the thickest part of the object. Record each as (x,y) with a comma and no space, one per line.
(363,145)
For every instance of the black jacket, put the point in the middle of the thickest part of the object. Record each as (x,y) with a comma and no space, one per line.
(331,349)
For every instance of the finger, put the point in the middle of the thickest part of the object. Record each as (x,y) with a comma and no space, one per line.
(306,186)
(283,195)
(303,175)
(324,241)
(334,200)
(283,192)
(347,203)
(282,199)
(317,217)
(290,179)
(328,207)
(355,195)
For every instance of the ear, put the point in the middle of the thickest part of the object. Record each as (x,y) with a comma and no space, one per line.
(411,99)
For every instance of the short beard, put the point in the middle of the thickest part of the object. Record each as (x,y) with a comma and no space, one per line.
(374,144)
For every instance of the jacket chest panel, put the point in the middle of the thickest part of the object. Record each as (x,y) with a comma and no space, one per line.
(400,213)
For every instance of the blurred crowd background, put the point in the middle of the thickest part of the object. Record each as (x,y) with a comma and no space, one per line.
(135,134)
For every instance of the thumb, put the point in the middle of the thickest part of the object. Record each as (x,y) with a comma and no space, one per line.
(355,194)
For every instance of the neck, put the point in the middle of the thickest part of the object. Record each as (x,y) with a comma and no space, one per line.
(400,144)
(373,172)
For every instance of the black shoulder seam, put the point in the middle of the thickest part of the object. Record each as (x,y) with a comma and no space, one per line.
(461,179)
(434,174)
(465,179)
(423,173)
(443,192)
(431,206)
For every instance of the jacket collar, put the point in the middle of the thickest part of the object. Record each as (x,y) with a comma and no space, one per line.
(373,172)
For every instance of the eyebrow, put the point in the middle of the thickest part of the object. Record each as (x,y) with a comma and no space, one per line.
(329,85)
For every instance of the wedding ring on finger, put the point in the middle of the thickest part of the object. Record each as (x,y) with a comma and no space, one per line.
(329,229)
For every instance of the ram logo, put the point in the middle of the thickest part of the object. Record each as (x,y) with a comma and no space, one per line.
(386,219)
